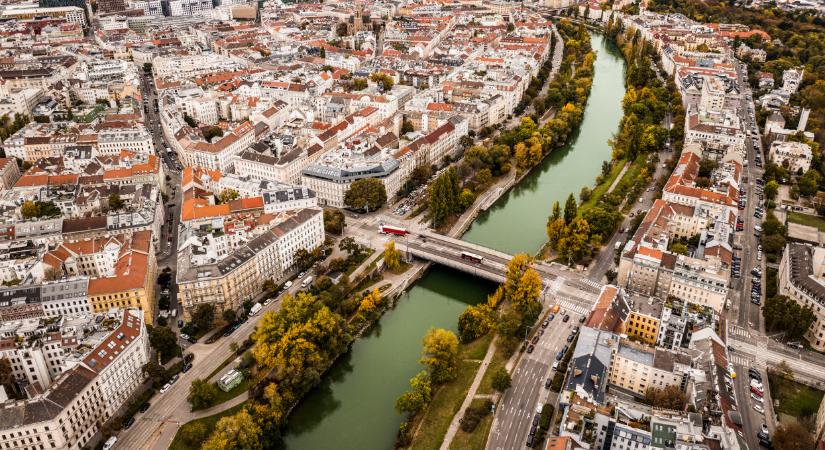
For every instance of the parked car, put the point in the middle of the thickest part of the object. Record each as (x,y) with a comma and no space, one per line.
(530,348)
(758,408)
(548,383)
(128,423)
(566,318)
(757,398)
(165,388)
(545,323)
(144,407)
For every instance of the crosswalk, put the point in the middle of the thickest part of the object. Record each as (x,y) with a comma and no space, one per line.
(740,359)
(570,306)
(593,284)
(740,332)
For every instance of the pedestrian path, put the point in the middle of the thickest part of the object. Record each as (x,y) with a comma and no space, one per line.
(740,332)
(741,359)
(593,284)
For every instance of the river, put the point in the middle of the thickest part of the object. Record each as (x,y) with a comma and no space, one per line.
(352,408)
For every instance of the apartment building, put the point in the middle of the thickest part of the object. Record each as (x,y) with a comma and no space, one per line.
(114,141)
(635,368)
(66,297)
(71,410)
(122,270)
(802,278)
(218,155)
(9,173)
(211,275)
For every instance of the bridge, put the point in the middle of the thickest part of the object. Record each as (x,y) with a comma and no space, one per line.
(558,281)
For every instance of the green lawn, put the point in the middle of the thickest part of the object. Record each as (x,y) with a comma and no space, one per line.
(445,404)
(476,349)
(223,364)
(198,431)
(499,360)
(805,219)
(226,396)
(477,440)
(602,188)
(793,398)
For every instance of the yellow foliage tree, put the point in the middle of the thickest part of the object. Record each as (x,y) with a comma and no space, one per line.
(235,432)
(392,257)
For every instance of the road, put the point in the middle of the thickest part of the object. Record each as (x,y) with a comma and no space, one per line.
(161,420)
(746,315)
(517,408)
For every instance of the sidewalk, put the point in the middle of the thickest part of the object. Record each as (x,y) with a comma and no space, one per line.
(485,363)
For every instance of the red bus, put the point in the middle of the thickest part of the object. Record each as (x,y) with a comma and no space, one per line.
(398,231)
(472,257)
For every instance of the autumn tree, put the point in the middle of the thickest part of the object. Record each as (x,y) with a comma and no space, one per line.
(440,355)
(392,257)
(228,195)
(29,210)
(366,193)
(415,399)
(202,394)
(115,202)
(792,436)
(670,397)
(334,221)
(370,304)
(236,432)
(475,321)
(382,79)
(6,377)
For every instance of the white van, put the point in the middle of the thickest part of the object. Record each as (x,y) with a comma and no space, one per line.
(110,443)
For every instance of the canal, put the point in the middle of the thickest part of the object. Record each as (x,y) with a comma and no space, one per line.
(353,407)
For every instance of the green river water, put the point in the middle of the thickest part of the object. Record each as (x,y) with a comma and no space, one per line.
(352,408)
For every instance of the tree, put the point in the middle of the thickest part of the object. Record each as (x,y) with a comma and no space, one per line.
(570,209)
(679,248)
(30,210)
(525,298)
(227,195)
(443,200)
(229,315)
(782,314)
(202,394)
(412,401)
(574,244)
(303,259)
(349,245)
(392,257)
(6,377)
(369,304)
(518,264)
(771,189)
(809,182)
(193,434)
(792,436)
(465,199)
(384,80)
(334,221)
(407,126)
(164,341)
(366,193)
(235,432)
(474,322)
(358,84)
(204,316)
(501,379)
(670,397)
(440,354)
(212,132)
(190,120)
(115,202)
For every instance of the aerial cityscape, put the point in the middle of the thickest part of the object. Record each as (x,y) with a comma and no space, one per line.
(379,224)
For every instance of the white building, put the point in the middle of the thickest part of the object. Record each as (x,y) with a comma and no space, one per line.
(111,142)
(68,414)
(795,156)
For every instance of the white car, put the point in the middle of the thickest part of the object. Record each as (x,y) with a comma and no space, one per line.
(539,407)
(165,388)
(765,428)
(757,398)
(759,409)
(184,336)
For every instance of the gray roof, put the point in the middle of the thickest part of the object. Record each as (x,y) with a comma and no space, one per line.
(590,364)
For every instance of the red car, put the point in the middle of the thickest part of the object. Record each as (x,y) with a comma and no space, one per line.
(757,391)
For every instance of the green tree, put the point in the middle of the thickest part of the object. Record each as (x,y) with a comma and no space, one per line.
(189,120)
(783,314)
(465,199)
(237,432)
(229,315)
(679,248)
(501,379)
(366,193)
(115,202)
(670,397)
(5,372)
(358,84)
(202,394)
(440,355)
(334,221)
(809,182)
(443,199)
(164,341)
(407,126)
(204,316)
(574,244)
(570,209)
(771,189)
(212,132)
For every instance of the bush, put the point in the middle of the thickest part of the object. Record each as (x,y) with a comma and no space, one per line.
(473,415)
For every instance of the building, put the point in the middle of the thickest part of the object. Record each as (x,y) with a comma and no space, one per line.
(71,14)
(635,368)
(801,277)
(209,274)
(644,319)
(9,173)
(795,156)
(71,410)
